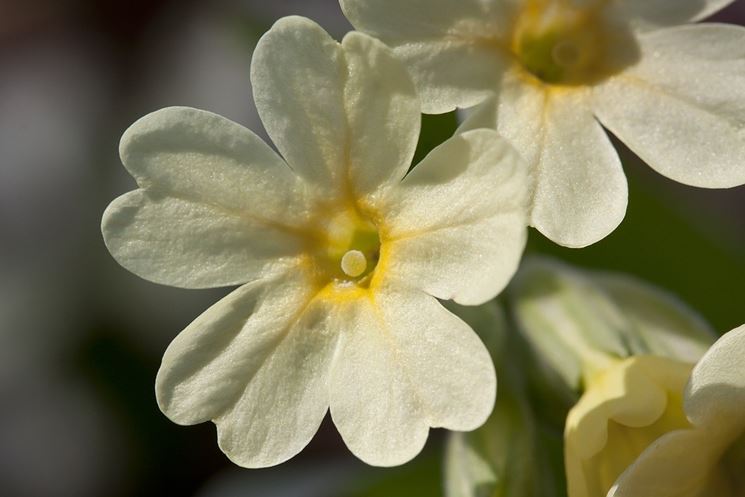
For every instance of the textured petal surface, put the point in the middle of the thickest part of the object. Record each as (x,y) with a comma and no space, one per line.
(444,43)
(581,192)
(405,364)
(256,363)
(383,112)
(209,188)
(682,108)
(717,386)
(651,14)
(297,73)
(452,73)
(457,225)
(392,20)
(677,464)
(330,107)
(191,244)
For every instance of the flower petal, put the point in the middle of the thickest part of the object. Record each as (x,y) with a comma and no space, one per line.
(638,393)
(684,462)
(442,42)
(420,19)
(383,113)
(256,363)
(456,225)
(297,76)
(650,14)
(216,206)
(199,156)
(678,463)
(633,394)
(581,192)
(405,364)
(716,391)
(682,108)
(328,106)
(191,244)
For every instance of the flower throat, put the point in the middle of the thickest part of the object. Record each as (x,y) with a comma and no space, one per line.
(565,42)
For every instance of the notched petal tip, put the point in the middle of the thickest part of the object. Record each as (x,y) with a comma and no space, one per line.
(154,121)
(294,26)
(407,365)
(480,186)
(716,390)
(247,457)
(116,218)
(387,458)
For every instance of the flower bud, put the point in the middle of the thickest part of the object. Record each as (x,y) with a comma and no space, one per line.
(581,322)
(623,410)
(706,457)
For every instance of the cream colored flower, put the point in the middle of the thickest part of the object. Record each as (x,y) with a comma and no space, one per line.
(341,254)
(553,73)
(655,427)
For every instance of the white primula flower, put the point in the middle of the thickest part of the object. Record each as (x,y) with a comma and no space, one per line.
(342,254)
(651,426)
(551,72)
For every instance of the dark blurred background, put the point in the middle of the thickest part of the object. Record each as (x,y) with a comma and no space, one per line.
(81,338)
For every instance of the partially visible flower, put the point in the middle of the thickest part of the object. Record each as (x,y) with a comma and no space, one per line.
(579,322)
(623,409)
(342,254)
(551,72)
(651,427)
(628,346)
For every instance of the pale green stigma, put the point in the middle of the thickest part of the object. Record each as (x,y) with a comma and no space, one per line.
(354,263)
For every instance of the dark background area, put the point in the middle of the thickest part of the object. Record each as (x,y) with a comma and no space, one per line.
(81,338)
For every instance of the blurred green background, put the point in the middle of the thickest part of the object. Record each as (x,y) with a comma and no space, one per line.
(81,338)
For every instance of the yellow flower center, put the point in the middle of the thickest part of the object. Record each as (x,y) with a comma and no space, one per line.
(570,42)
(351,248)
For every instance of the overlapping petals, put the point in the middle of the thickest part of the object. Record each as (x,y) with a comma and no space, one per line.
(192,223)
(344,116)
(216,206)
(682,108)
(621,412)
(694,461)
(672,93)
(389,382)
(577,171)
(457,212)
(435,41)
(255,363)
